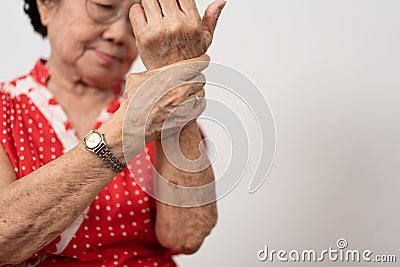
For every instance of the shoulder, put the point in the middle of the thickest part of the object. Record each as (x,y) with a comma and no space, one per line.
(23,84)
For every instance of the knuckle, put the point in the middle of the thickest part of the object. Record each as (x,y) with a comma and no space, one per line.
(177,27)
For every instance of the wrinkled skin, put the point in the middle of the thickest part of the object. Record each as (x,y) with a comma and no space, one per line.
(172,33)
(171,87)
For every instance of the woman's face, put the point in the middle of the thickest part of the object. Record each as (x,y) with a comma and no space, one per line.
(100,54)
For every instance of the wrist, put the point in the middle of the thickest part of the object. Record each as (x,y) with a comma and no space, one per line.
(112,131)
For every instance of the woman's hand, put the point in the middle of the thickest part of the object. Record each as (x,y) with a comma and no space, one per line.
(168,31)
(153,96)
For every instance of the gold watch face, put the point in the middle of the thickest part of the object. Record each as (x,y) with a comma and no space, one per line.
(93,140)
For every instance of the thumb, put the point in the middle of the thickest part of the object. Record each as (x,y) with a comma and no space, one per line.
(210,19)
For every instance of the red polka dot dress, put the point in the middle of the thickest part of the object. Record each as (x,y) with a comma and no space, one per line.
(117,229)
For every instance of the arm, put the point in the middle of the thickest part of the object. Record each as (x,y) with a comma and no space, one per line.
(183,229)
(179,34)
(38,207)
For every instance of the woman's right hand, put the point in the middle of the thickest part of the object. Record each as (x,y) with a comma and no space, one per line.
(153,96)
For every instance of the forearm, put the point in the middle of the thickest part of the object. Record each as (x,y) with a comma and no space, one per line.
(183,229)
(38,207)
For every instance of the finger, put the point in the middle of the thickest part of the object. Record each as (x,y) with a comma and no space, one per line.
(169,8)
(138,19)
(210,19)
(203,59)
(190,9)
(153,12)
(187,69)
(196,85)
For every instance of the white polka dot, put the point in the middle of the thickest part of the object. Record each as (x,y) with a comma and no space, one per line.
(87,245)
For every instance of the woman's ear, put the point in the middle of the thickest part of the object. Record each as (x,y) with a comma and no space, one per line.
(46,10)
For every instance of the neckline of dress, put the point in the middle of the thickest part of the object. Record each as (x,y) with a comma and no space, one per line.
(54,112)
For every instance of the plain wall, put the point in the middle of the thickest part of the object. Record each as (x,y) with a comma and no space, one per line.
(330,72)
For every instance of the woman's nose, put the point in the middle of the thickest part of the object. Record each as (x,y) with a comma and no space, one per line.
(118,31)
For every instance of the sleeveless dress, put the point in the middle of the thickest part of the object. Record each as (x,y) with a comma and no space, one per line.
(117,229)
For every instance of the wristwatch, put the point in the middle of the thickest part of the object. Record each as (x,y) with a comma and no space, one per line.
(94,142)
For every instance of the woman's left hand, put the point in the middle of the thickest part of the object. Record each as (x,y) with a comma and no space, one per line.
(167,31)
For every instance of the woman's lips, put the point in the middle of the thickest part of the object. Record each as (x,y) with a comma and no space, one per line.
(106,57)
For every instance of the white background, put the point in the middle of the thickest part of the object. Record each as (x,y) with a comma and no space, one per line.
(330,71)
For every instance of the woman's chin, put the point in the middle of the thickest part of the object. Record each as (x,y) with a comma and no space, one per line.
(105,81)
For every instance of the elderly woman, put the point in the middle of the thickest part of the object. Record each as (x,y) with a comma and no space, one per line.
(66,196)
